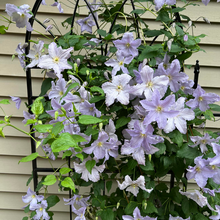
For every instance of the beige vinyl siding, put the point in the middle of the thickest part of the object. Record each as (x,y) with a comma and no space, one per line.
(13,176)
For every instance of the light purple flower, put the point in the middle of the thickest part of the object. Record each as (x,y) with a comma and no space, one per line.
(87,108)
(86,24)
(119,63)
(21,53)
(173,73)
(35,54)
(201,141)
(49,27)
(216,217)
(86,175)
(94,6)
(185,37)
(133,186)
(137,216)
(186,86)
(209,191)
(95,40)
(150,83)
(32,198)
(159,110)
(41,211)
(117,89)
(77,200)
(27,116)
(99,147)
(159,3)
(56,60)
(200,172)
(43,2)
(202,99)
(205,2)
(58,6)
(48,151)
(20,15)
(57,90)
(17,101)
(179,121)
(128,45)
(81,213)
(177,218)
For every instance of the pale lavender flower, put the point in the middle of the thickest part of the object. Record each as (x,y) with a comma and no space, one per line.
(86,175)
(214,164)
(133,186)
(27,116)
(21,53)
(112,149)
(86,24)
(202,99)
(137,216)
(128,45)
(177,218)
(47,20)
(56,60)
(77,200)
(32,198)
(119,63)
(173,73)
(142,135)
(41,211)
(137,72)
(81,213)
(200,172)
(150,83)
(186,86)
(48,151)
(58,5)
(209,191)
(164,61)
(20,15)
(99,147)
(159,110)
(110,130)
(43,2)
(205,2)
(196,196)
(185,37)
(117,89)
(179,121)
(87,108)
(95,40)
(201,141)
(94,6)
(49,27)
(159,3)
(216,217)
(35,54)
(17,101)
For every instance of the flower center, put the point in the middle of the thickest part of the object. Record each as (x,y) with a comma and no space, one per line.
(142,135)
(23,15)
(128,45)
(159,108)
(200,98)
(37,56)
(182,88)
(134,185)
(198,169)
(120,63)
(56,60)
(165,66)
(213,167)
(119,88)
(203,141)
(150,84)
(41,209)
(100,144)
(61,93)
(170,77)
(91,109)
(33,196)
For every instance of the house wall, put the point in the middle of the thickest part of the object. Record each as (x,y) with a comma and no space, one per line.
(13,176)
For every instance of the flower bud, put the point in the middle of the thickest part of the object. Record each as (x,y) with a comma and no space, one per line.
(63,110)
(118,204)
(206,20)
(96,218)
(189,23)
(145,205)
(56,114)
(75,67)
(39,122)
(87,72)
(169,43)
(85,84)
(100,126)
(78,61)
(149,157)
(47,20)
(49,28)
(185,37)
(144,62)
(7,119)
(24,46)
(106,75)
(173,25)
(1,132)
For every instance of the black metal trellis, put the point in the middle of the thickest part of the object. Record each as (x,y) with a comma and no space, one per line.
(103,51)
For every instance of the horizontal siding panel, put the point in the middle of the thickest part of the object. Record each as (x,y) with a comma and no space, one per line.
(18,215)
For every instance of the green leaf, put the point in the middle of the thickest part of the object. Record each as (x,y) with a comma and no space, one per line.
(57,128)
(90,164)
(215,107)
(188,152)
(151,208)
(67,153)
(5,101)
(138,11)
(184,56)
(46,85)
(96,99)
(108,185)
(31,121)
(130,207)
(2,29)
(26,210)
(49,180)
(176,49)
(68,183)
(64,142)
(148,166)
(152,33)
(107,214)
(2,122)
(102,32)
(163,16)
(78,138)
(179,30)
(80,156)
(37,107)
(91,130)
(175,195)
(209,115)
(70,87)
(199,216)
(25,218)
(44,128)
(65,170)
(122,121)
(29,180)
(97,89)
(52,201)
(177,9)
(29,157)
(161,147)
(89,119)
